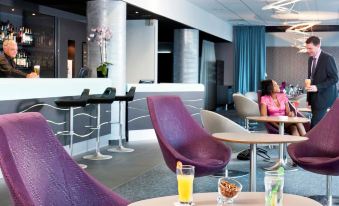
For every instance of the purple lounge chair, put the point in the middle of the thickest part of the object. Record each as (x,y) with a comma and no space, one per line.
(320,154)
(38,171)
(181,138)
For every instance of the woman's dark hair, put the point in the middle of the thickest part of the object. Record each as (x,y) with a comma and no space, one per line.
(267,87)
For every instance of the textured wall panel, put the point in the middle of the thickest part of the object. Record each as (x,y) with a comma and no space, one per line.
(285,64)
(186,56)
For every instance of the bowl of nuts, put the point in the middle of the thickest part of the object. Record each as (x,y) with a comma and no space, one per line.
(228,190)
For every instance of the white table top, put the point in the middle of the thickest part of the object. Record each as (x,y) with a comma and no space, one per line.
(244,199)
(257,138)
(279,119)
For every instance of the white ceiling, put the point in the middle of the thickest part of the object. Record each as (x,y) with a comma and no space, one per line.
(249,12)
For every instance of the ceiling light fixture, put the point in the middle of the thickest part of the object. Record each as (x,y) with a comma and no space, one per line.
(307,16)
(281,5)
(302,28)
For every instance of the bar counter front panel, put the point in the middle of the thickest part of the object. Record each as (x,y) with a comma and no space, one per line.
(38,95)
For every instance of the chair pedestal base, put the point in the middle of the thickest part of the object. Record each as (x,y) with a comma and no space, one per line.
(230,173)
(83,166)
(281,163)
(97,156)
(121,149)
(322,199)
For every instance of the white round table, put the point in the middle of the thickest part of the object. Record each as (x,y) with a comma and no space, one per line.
(281,120)
(244,199)
(253,139)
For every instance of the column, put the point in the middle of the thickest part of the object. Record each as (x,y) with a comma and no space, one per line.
(186,56)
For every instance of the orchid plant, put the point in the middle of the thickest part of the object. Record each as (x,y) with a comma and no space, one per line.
(101,35)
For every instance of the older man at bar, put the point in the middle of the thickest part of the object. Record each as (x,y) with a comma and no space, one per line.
(7,64)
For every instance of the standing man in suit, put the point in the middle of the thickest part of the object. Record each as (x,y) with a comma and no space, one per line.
(323,73)
(7,64)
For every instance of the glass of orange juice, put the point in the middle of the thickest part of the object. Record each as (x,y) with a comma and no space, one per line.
(307,83)
(185,177)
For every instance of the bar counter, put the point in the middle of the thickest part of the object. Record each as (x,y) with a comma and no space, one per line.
(38,95)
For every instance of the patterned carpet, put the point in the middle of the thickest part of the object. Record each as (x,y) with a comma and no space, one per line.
(160,181)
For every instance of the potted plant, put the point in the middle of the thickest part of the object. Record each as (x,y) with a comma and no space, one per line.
(102,35)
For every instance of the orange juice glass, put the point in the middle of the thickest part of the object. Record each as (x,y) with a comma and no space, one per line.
(185,177)
(307,83)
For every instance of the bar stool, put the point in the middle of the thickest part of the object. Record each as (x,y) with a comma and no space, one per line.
(128,97)
(71,103)
(106,98)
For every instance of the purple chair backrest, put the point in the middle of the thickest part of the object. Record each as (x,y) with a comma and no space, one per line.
(325,135)
(38,171)
(175,121)
(179,135)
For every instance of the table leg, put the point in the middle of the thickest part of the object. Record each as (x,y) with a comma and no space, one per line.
(281,162)
(253,182)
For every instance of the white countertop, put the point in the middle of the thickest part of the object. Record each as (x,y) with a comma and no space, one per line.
(16,88)
(167,87)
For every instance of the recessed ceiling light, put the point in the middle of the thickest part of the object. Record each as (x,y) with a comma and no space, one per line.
(136,12)
(13,9)
(33,14)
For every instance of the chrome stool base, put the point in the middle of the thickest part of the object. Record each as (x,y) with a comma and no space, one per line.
(230,173)
(120,149)
(97,156)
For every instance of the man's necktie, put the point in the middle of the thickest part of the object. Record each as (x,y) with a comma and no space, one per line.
(314,61)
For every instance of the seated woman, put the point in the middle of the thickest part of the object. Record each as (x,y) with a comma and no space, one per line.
(274,103)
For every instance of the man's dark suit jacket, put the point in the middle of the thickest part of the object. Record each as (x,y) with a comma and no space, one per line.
(7,68)
(325,78)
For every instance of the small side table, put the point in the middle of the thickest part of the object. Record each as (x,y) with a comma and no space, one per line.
(281,120)
(253,139)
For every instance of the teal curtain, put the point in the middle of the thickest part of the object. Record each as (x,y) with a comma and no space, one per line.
(249,57)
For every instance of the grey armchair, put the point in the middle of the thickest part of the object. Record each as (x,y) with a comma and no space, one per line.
(245,107)
(216,123)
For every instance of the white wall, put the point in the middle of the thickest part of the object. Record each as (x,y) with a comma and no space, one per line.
(189,14)
(141,50)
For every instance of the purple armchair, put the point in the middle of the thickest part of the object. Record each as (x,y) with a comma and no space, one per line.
(181,138)
(38,171)
(320,154)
